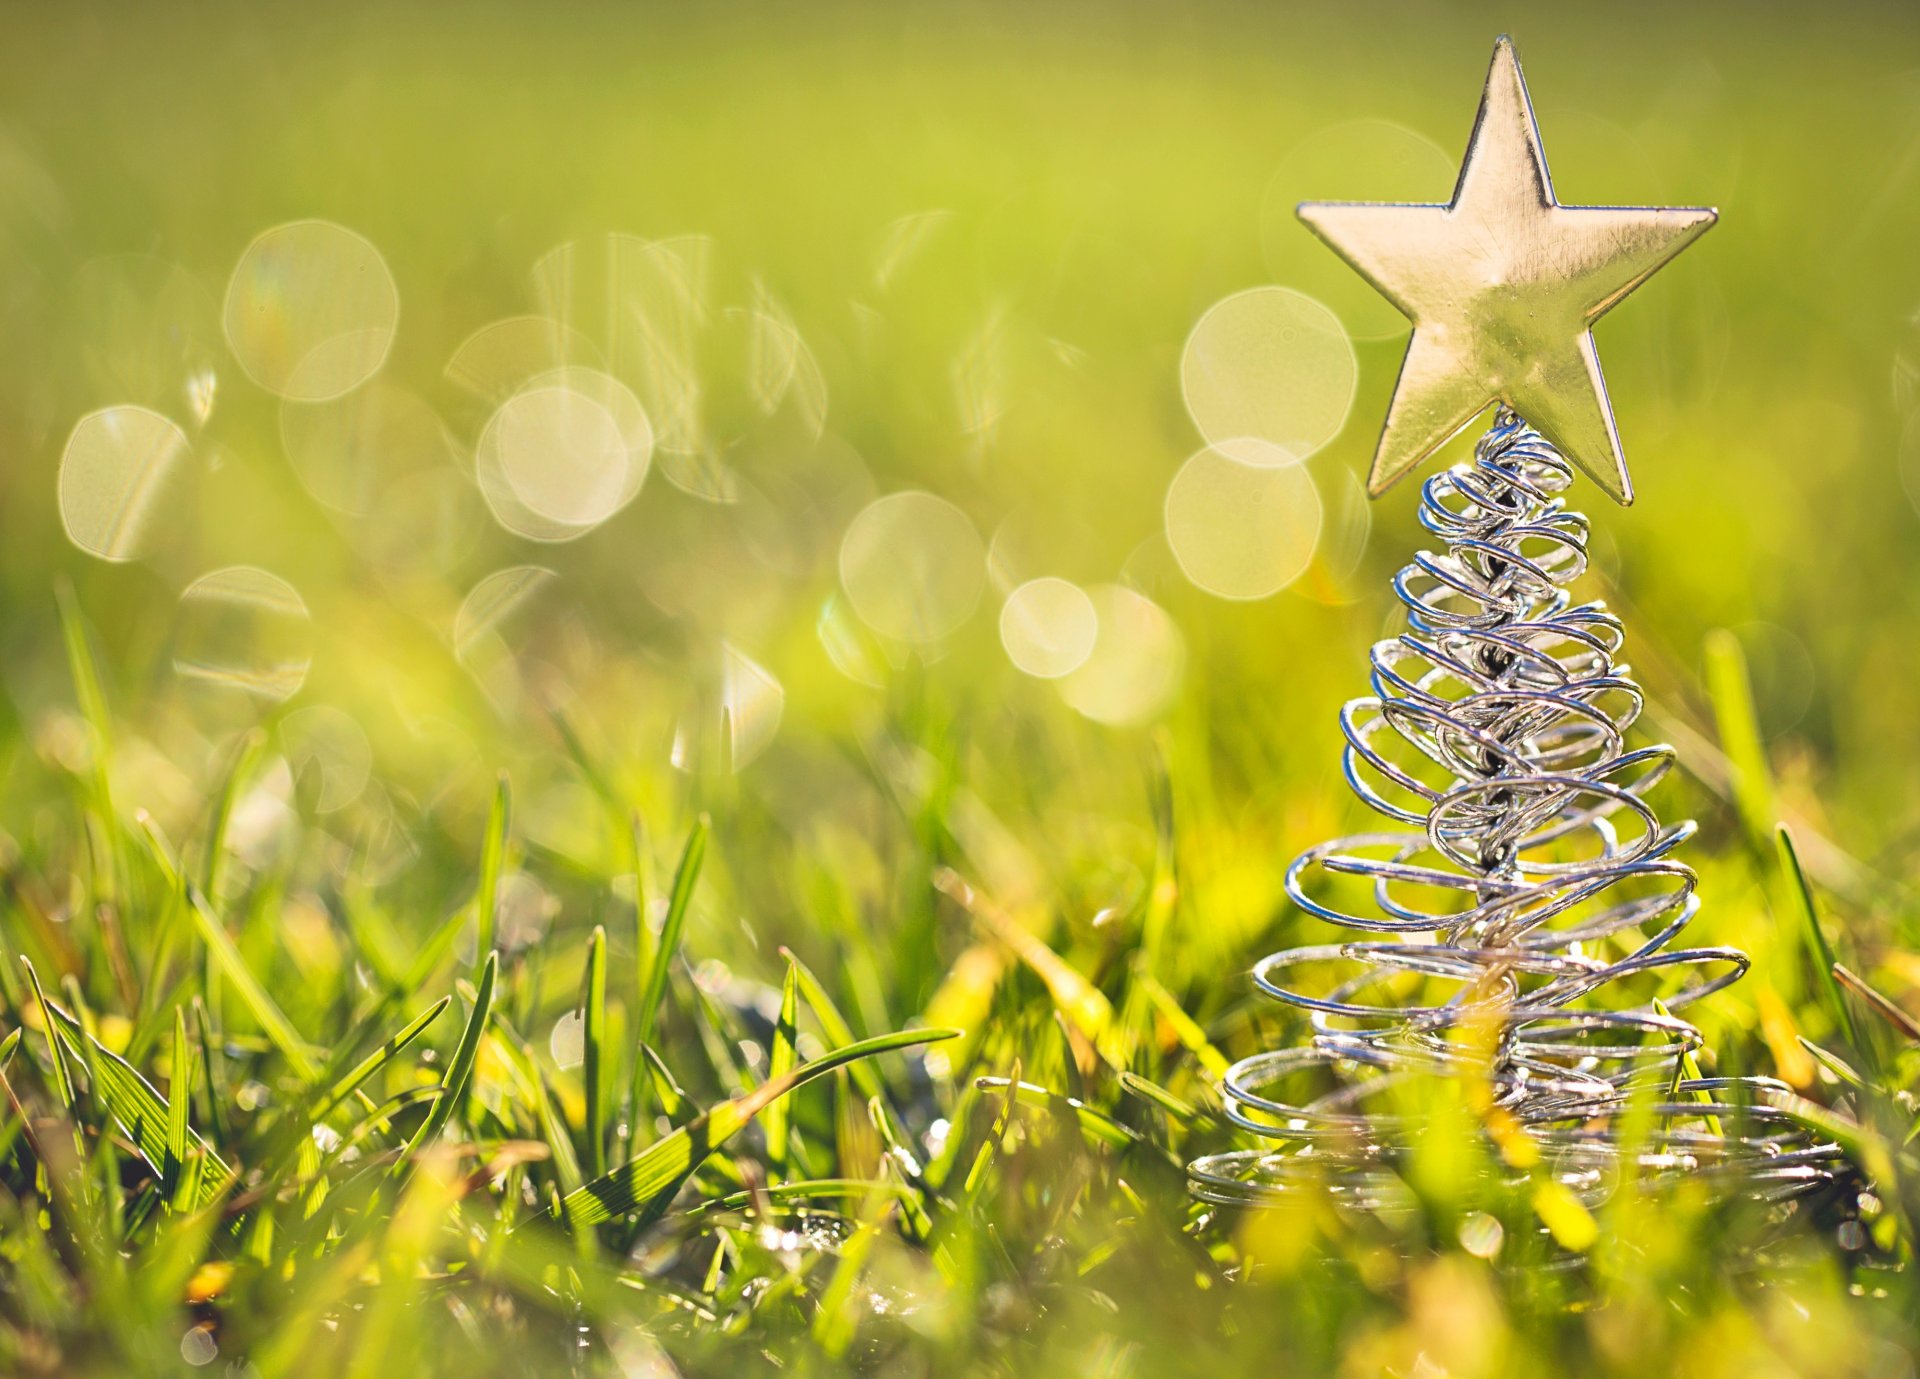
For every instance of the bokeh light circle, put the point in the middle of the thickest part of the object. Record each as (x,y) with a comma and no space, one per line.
(246,629)
(1138,657)
(1269,364)
(913,566)
(114,474)
(311,310)
(564,454)
(1048,626)
(1240,526)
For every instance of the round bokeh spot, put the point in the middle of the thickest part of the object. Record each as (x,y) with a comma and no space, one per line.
(311,310)
(1048,626)
(913,566)
(115,474)
(1273,365)
(1240,527)
(246,629)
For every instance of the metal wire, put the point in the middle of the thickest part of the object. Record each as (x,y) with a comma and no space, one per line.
(1521,923)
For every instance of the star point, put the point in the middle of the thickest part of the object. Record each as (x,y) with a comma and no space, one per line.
(1503,285)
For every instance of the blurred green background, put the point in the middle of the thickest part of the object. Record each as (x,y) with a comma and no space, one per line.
(972,240)
(1103,175)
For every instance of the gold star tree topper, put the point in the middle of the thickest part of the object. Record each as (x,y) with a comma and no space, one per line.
(1503,285)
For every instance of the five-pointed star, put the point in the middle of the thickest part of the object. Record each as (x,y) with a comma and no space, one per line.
(1503,285)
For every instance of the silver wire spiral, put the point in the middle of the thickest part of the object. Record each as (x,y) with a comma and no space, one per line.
(1528,877)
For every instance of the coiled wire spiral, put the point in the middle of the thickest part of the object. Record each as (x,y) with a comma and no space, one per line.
(1529,876)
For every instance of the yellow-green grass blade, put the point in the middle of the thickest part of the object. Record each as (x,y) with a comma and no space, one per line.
(493,858)
(593,1066)
(264,1009)
(141,1111)
(1739,726)
(1819,952)
(378,1059)
(647,1182)
(460,1066)
(780,1060)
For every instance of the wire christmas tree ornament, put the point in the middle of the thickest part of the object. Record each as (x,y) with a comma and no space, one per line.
(1532,878)
(1520,924)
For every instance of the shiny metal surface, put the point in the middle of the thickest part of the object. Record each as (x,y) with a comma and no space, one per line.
(1503,285)
(1520,925)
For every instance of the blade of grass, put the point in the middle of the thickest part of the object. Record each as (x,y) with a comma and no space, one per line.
(653,983)
(1800,895)
(593,1067)
(673,1101)
(215,1081)
(142,1112)
(833,1023)
(493,857)
(265,1011)
(680,899)
(179,1098)
(227,959)
(1084,1004)
(378,1059)
(246,757)
(460,1066)
(647,1183)
(780,1062)
(1185,1028)
(1739,727)
(1094,1123)
(1686,1068)
(1834,1064)
(1179,1109)
(1880,1005)
(62,1075)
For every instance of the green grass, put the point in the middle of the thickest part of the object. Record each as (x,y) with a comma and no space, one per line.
(523,1029)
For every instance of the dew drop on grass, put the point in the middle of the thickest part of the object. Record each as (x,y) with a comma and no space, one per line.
(913,566)
(246,629)
(349,450)
(1240,526)
(120,467)
(311,310)
(1048,626)
(1269,364)
(1138,657)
